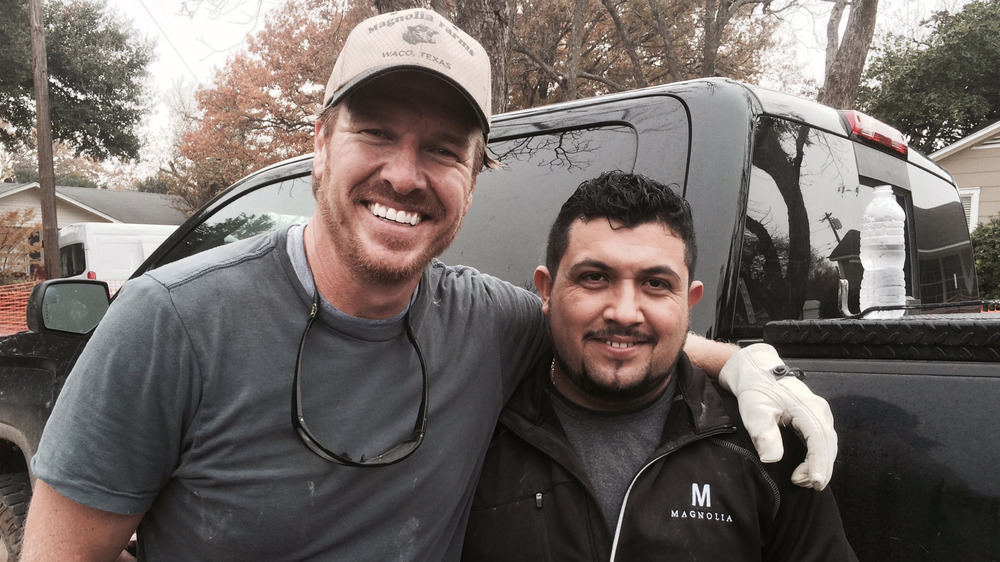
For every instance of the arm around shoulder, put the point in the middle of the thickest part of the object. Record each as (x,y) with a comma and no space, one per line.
(767,403)
(59,528)
(708,355)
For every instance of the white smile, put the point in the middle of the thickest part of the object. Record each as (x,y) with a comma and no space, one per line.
(388,213)
(619,345)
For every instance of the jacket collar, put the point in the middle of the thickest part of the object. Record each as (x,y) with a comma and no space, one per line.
(697,408)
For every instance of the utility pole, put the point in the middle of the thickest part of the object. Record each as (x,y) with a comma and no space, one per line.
(43,136)
(834,224)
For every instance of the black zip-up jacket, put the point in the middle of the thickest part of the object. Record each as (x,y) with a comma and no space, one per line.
(704,494)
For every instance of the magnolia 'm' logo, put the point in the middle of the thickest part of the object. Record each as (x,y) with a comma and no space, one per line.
(703,497)
(701,503)
(415,34)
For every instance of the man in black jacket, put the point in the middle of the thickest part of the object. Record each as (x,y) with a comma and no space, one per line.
(619,449)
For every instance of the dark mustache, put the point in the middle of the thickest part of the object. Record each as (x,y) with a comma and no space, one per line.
(631,333)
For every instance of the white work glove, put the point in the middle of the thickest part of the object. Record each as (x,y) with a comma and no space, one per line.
(766,402)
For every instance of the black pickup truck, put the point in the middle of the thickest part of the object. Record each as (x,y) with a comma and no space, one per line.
(777,185)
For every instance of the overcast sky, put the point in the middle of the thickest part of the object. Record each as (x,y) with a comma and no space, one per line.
(188,50)
(190,47)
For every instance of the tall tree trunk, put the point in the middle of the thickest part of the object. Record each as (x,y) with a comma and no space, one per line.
(718,15)
(574,48)
(491,22)
(716,19)
(627,43)
(669,50)
(844,68)
(833,34)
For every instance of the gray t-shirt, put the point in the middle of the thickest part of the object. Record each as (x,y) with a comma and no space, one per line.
(180,408)
(614,446)
(360,385)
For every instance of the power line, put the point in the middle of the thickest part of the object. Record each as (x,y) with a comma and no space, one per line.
(169,42)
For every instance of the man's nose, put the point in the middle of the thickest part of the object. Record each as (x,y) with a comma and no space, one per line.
(623,306)
(404,170)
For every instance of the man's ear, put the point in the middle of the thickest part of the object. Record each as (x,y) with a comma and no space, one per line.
(695,293)
(543,282)
(319,150)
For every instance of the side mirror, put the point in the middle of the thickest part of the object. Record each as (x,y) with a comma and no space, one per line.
(73,306)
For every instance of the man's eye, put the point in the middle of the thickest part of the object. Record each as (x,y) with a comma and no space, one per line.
(592,277)
(441,151)
(377,133)
(659,284)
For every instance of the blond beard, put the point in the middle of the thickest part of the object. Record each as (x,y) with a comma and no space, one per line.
(355,257)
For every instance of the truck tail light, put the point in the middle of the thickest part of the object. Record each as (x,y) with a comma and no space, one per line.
(873,130)
(91,275)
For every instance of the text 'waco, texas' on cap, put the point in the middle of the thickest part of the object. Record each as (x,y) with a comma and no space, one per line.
(419,40)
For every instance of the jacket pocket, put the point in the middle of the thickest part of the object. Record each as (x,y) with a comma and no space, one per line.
(514,531)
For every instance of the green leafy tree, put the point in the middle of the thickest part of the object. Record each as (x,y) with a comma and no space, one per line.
(26,175)
(941,88)
(97,69)
(985,241)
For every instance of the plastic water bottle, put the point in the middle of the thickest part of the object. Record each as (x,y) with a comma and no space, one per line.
(883,252)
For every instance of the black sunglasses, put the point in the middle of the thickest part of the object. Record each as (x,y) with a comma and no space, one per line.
(397,452)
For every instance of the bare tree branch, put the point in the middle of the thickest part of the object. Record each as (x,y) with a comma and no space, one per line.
(627,43)
(520,47)
(603,80)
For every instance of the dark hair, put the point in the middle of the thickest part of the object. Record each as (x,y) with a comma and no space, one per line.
(627,200)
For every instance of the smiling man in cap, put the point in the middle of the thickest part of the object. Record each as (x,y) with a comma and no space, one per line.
(321,392)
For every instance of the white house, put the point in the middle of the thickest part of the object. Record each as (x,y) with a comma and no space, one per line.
(83,204)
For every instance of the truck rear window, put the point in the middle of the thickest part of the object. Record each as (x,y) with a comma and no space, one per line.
(513,207)
(944,252)
(808,190)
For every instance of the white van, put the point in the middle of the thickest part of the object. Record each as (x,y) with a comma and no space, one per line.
(108,251)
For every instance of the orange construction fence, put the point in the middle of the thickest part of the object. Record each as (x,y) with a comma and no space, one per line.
(13,302)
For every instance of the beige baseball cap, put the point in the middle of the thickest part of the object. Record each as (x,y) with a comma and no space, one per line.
(415,39)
